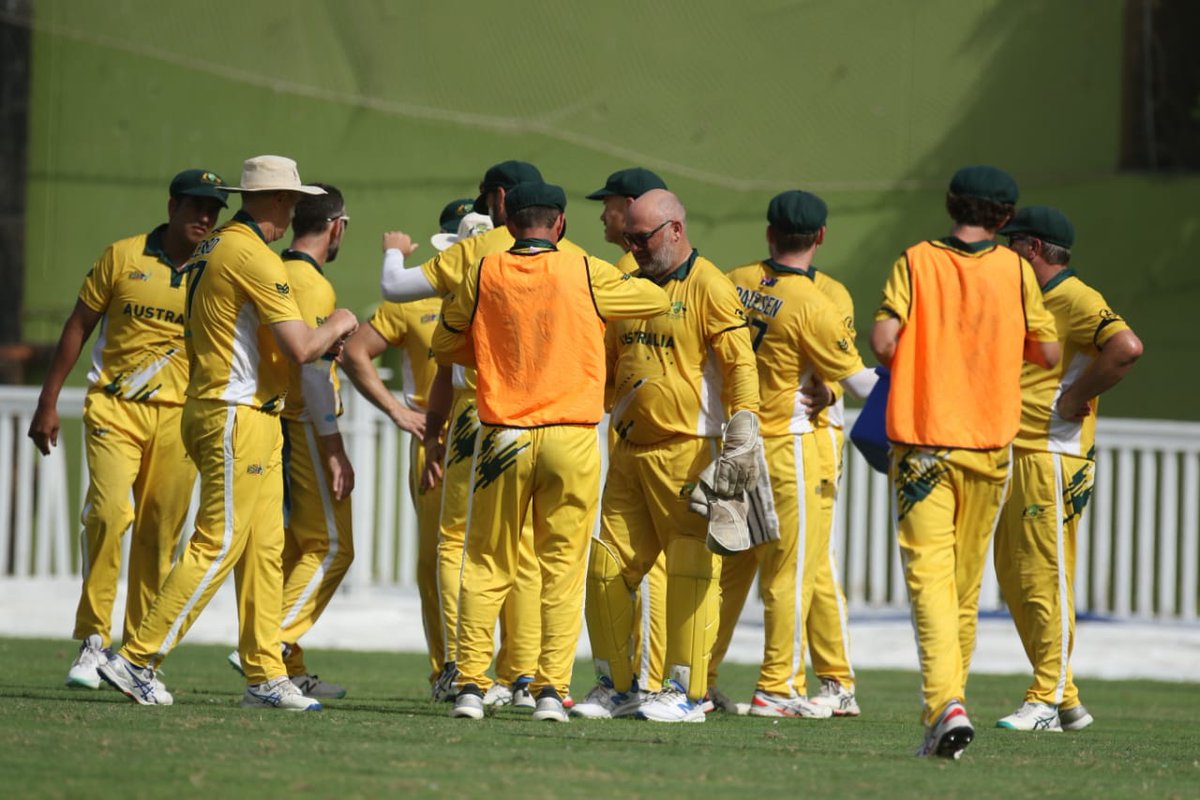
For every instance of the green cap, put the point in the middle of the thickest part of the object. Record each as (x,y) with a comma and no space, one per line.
(797,212)
(1042,222)
(985,182)
(200,183)
(454,211)
(526,195)
(632,182)
(505,175)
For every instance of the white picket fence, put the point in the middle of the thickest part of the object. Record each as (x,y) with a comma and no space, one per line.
(1137,556)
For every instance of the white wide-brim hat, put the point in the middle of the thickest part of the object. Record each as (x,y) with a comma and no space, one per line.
(470,225)
(272,174)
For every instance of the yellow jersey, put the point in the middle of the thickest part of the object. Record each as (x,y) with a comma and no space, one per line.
(409,327)
(139,352)
(797,334)
(627,263)
(445,273)
(1085,322)
(316,299)
(237,287)
(683,372)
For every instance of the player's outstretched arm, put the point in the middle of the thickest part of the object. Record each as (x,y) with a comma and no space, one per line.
(44,427)
(303,344)
(358,362)
(1116,358)
(398,284)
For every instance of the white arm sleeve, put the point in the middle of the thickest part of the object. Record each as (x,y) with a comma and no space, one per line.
(401,285)
(860,383)
(316,379)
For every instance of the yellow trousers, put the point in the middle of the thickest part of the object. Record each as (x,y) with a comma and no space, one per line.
(520,634)
(318,543)
(427,504)
(132,448)
(551,476)
(827,625)
(239,528)
(1035,564)
(783,566)
(645,514)
(948,504)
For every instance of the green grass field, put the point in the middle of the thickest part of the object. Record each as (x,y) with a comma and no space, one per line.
(388,739)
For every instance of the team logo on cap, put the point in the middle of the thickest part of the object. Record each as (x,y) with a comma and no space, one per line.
(211,177)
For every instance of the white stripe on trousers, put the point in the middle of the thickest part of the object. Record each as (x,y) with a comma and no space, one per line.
(331,529)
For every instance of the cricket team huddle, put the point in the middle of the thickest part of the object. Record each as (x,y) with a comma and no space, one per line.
(216,357)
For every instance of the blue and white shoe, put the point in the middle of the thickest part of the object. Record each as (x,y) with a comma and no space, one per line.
(671,704)
(1032,717)
(605,702)
(136,683)
(278,693)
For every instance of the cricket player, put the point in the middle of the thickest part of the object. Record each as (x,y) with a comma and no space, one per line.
(1054,468)
(317,474)
(681,378)
(531,321)
(409,328)
(799,337)
(243,326)
(135,293)
(957,319)
(650,636)
(451,429)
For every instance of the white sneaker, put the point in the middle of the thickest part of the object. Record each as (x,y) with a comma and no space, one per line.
(765,704)
(136,683)
(497,695)
(950,735)
(837,697)
(278,693)
(83,672)
(605,702)
(550,707)
(468,704)
(235,661)
(1032,717)
(522,697)
(1075,718)
(313,686)
(671,704)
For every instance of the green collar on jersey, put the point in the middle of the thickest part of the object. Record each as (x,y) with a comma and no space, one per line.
(1058,278)
(680,273)
(522,247)
(967,247)
(296,255)
(154,247)
(810,273)
(244,218)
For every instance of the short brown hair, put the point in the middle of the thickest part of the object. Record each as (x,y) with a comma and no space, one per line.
(987,214)
(534,217)
(794,242)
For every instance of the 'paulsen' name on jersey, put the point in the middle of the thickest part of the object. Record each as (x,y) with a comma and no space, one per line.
(152,312)
(757,301)
(648,338)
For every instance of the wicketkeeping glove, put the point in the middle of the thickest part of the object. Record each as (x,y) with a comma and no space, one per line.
(728,531)
(737,467)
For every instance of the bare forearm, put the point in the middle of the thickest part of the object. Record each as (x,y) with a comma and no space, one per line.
(362,373)
(1114,361)
(66,353)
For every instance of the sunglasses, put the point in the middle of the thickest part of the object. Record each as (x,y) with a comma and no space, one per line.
(345,220)
(642,239)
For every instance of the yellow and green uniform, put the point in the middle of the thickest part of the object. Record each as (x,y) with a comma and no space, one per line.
(237,287)
(650,603)
(520,636)
(798,336)
(319,539)
(131,417)
(827,630)
(409,327)
(537,455)
(1053,474)
(676,377)
(966,310)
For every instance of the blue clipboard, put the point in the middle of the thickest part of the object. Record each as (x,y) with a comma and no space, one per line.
(869,433)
